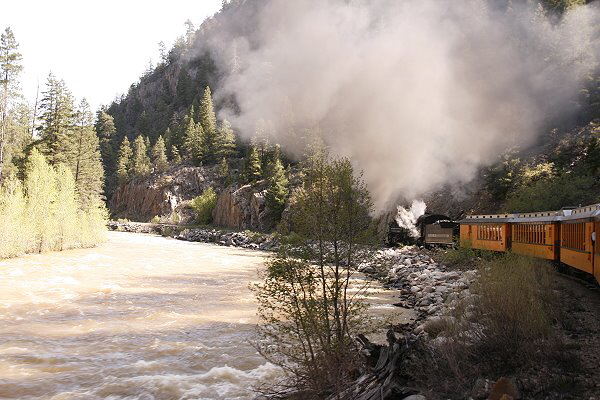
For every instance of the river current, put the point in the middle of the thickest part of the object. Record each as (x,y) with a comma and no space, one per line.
(140,317)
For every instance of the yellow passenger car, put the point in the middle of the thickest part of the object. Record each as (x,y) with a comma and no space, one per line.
(577,237)
(536,234)
(486,232)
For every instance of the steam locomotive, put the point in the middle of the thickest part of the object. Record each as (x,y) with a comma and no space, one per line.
(432,229)
(567,236)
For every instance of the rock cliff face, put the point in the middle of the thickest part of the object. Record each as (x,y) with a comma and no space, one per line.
(168,194)
(163,194)
(243,208)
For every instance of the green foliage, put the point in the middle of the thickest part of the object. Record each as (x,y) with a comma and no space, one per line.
(57,115)
(159,155)
(204,205)
(45,212)
(553,194)
(501,178)
(140,162)
(226,140)
(79,149)
(308,317)
(208,120)
(106,131)
(253,168)
(124,161)
(175,155)
(277,190)
(194,141)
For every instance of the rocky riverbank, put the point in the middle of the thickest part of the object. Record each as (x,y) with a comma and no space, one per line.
(244,239)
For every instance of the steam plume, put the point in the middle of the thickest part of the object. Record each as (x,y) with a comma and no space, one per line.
(418,93)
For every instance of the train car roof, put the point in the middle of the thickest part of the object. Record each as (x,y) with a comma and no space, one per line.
(591,211)
(486,218)
(565,214)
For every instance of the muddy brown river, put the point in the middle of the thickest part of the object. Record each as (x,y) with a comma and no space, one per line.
(139,317)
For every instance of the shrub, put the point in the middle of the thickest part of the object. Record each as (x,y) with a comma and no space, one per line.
(504,327)
(204,205)
(155,219)
(514,307)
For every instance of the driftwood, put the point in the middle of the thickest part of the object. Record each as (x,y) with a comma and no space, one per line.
(382,381)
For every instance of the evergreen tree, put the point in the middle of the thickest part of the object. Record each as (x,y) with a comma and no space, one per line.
(168,137)
(106,131)
(10,67)
(224,170)
(148,146)
(124,162)
(79,149)
(208,120)
(57,116)
(278,188)
(226,140)
(194,135)
(253,167)
(140,163)
(159,155)
(175,156)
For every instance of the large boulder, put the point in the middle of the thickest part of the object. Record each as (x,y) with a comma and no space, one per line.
(243,207)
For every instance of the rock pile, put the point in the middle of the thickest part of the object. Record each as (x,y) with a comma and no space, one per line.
(425,285)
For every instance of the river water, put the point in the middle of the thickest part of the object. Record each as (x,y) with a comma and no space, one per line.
(139,317)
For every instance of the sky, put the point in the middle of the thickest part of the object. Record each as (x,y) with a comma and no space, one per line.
(98,48)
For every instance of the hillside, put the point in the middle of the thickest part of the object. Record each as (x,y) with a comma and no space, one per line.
(160,102)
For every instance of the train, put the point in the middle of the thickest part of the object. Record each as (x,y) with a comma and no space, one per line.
(433,230)
(567,236)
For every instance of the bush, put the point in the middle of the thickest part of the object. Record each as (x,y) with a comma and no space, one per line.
(514,308)
(44,213)
(504,327)
(204,205)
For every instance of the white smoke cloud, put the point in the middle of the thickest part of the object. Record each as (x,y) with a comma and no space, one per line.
(418,93)
(407,218)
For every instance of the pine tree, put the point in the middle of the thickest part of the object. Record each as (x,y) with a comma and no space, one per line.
(124,162)
(225,140)
(168,138)
(175,156)
(159,155)
(79,149)
(193,143)
(57,116)
(148,146)
(106,131)
(253,167)
(278,188)
(208,120)
(140,163)
(10,67)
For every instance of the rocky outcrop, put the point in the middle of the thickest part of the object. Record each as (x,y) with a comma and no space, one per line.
(162,194)
(243,208)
